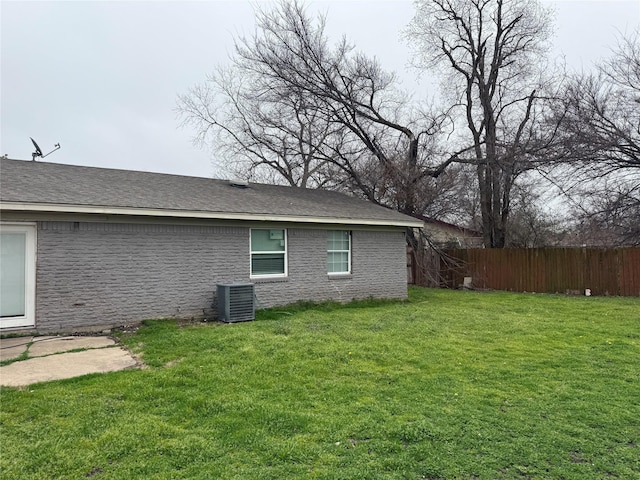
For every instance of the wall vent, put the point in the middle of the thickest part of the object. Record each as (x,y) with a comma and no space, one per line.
(236,302)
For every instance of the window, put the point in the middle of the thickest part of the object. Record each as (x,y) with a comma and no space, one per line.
(268,252)
(338,251)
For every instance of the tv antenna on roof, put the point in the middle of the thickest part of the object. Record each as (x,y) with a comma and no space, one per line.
(38,152)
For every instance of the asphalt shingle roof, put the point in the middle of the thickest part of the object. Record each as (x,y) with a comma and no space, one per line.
(28,182)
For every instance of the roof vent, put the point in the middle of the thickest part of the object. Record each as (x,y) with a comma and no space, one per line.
(238,183)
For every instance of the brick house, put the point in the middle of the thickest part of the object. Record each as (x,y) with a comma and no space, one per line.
(448,235)
(85,248)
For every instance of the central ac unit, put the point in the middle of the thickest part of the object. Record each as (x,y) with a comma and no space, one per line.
(236,302)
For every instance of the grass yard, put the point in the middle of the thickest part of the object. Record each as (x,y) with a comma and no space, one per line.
(448,385)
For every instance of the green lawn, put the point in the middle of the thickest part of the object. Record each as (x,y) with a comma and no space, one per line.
(449,385)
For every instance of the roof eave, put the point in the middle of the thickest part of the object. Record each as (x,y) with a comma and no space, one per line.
(152,212)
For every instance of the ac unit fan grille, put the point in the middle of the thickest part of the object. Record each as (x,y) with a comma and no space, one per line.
(236,302)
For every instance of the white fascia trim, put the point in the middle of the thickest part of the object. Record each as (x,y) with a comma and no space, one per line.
(151,212)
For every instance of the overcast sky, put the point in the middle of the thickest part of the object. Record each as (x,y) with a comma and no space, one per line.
(101,78)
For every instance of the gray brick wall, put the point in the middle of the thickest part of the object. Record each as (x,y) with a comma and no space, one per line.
(105,274)
(378,267)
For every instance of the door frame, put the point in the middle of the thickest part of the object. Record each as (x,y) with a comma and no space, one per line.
(29,317)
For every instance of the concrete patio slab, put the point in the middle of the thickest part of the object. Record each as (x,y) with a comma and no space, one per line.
(53,358)
(65,365)
(13,347)
(49,345)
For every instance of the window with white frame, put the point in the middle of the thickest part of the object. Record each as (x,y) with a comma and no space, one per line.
(338,251)
(268,252)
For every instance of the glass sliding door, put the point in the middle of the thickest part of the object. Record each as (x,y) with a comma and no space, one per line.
(17,275)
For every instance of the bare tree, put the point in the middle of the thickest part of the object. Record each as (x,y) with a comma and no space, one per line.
(316,114)
(602,114)
(491,53)
(601,145)
(259,134)
(534,222)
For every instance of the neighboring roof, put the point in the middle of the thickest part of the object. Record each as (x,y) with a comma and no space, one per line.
(451,226)
(50,187)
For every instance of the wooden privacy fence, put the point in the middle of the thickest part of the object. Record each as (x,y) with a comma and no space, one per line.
(609,271)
